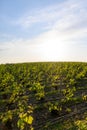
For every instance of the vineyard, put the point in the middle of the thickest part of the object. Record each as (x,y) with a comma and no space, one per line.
(43,96)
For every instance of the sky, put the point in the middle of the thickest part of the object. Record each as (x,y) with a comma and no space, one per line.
(43,30)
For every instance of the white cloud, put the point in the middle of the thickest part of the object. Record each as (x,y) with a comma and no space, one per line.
(71,11)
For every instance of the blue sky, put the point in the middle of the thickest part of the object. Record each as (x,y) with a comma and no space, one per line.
(43,30)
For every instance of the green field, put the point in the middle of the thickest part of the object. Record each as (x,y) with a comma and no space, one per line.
(43,96)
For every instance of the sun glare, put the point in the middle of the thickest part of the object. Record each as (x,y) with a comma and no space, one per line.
(53,50)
